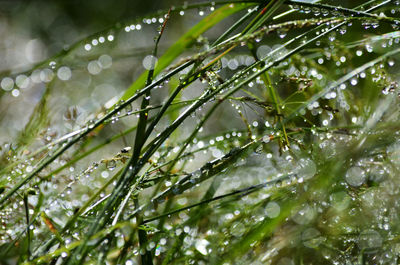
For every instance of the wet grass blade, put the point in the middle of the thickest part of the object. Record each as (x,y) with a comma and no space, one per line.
(186,41)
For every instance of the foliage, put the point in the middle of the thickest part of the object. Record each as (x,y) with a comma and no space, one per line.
(265,134)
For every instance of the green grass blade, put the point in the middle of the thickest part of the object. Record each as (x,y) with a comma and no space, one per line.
(187,40)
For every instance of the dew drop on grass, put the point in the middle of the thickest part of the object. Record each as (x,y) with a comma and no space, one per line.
(377,173)
(22,81)
(355,176)
(88,47)
(306,168)
(7,83)
(343,30)
(353,81)
(237,229)
(15,92)
(266,139)
(111,164)
(272,210)
(369,240)
(94,67)
(263,51)
(282,33)
(149,62)
(195,177)
(35,76)
(46,75)
(105,174)
(311,238)
(29,169)
(340,200)
(332,36)
(64,73)
(105,61)
(304,216)
(369,48)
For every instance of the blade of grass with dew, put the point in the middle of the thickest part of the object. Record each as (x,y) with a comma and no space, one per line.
(186,41)
(329,174)
(49,159)
(140,139)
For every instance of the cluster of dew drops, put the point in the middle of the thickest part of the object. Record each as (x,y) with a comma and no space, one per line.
(356,176)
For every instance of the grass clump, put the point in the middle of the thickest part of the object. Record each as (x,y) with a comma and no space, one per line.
(265,134)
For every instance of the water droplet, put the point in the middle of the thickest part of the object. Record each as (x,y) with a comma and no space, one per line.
(105,61)
(35,76)
(7,83)
(369,48)
(332,36)
(64,73)
(306,168)
(111,164)
(29,169)
(272,210)
(22,81)
(94,67)
(311,238)
(304,216)
(237,228)
(355,176)
(263,51)
(369,241)
(377,173)
(88,47)
(195,177)
(15,92)
(149,62)
(281,33)
(343,30)
(266,139)
(340,200)
(46,75)
(105,174)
